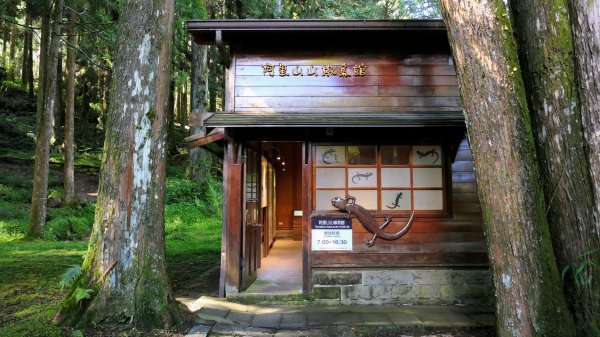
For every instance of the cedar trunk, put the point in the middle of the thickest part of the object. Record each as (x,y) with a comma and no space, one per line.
(69,166)
(199,159)
(46,105)
(125,262)
(527,283)
(546,53)
(585,22)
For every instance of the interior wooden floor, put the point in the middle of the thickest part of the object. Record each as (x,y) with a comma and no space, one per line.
(281,270)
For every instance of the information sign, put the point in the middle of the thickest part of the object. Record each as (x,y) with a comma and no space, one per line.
(331,233)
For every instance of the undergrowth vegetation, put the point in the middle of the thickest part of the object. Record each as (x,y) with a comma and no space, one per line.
(31,271)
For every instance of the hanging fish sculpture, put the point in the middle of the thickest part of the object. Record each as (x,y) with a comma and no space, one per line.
(368,221)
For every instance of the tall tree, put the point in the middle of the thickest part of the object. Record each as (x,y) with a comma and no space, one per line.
(46,105)
(69,131)
(546,52)
(585,21)
(529,296)
(125,262)
(199,159)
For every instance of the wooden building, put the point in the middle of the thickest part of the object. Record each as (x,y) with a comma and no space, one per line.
(321,109)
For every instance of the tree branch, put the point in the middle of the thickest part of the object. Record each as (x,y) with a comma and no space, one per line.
(86,55)
(18,24)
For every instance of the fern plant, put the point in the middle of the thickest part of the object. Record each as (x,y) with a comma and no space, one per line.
(579,269)
(70,276)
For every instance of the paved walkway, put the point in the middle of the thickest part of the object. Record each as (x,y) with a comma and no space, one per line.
(217,317)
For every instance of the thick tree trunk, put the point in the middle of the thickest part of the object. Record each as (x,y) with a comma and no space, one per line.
(585,21)
(199,159)
(527,282)
(69,137)
(125,263)
(46,104)
(546,52)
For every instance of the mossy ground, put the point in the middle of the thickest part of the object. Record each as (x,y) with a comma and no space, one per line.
(30,271)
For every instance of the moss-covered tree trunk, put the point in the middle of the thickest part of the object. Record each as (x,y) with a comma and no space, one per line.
(546,52)
(585,22)
(125,262)
(46,105)
(529,296)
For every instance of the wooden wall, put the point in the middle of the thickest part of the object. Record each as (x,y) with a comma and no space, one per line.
(392,84)
(456,240)
(288,189)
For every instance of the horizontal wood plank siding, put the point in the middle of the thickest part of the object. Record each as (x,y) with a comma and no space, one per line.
(392,84)
(456,240)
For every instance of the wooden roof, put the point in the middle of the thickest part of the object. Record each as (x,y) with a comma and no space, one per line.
(449,118)
(236,31)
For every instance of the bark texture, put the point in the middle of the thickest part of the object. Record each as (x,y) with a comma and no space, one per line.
(546,53)
(46,105)
(125,263)
(199,159)
(528,288)
(69,166)
(585,22)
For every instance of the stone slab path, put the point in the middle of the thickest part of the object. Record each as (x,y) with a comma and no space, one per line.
(217,317)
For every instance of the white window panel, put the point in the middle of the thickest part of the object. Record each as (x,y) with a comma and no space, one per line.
(427,177)
(324,198)
(331,155)
(365,198)
(427,155)
(395,177)
(429,200)
(397,200)
(362,177)
(331,177)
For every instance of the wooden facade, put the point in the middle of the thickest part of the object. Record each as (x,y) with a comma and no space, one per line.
(298,88)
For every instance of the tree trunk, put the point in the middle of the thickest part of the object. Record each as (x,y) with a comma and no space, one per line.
(69,137)
(528,288)
(585,21)
(46,104)
(125,262)
(183,108)
(199,159)
(13,51)
(27,37)
(30,84)
(58,111)
(171,118)
(546,53)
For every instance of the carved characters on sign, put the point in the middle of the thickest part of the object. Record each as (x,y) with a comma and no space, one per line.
(327,70)
(368,221)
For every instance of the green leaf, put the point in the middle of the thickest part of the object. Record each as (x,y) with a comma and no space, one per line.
(77,333)
(70,276)
(81,294)
(564,272)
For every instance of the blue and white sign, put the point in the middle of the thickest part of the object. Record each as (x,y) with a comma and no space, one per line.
(331,233)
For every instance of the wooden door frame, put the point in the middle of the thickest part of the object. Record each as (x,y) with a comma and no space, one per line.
(307,183)
(232,211)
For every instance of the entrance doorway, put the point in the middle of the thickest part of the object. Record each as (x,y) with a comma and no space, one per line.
(280,268)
